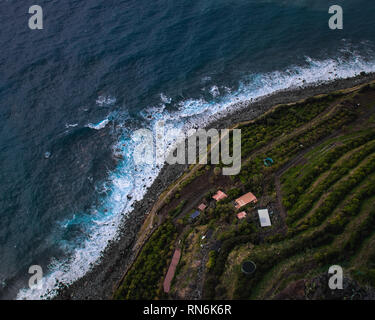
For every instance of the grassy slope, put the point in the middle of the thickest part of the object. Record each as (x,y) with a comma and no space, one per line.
(323,150)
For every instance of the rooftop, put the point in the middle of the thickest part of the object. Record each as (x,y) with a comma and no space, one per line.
(245,199)
(241,215)
(171,271)
(202,206)
(219,195)
(195,214)
(264,218)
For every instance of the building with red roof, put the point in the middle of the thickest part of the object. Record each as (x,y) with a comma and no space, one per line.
(202,206)
(220,195)
(241,215)
(171,271)
(245,199)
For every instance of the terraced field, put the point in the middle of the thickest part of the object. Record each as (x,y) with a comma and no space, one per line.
(320,191)
(328,196)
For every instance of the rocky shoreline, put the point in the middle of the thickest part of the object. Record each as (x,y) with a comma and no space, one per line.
(100,282)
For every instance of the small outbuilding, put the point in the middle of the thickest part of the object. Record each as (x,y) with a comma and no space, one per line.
(195,215)
(220,195)
(245,199)
(171,271)
(264,218)
(241,215)
(202,207)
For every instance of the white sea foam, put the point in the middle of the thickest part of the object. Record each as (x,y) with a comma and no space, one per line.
(101,224)
(73,125)
(206,79)
(165,99)
(100,125)
(104,101)
(215,91)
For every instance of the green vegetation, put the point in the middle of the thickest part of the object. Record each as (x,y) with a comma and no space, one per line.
(142,281)
(211,260)
(253,171)
(327,189)
(321,190)
(279,121)
(296,187)
(218,269)
(176,211)
(335,197)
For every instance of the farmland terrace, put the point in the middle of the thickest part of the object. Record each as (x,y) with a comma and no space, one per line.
(319,191)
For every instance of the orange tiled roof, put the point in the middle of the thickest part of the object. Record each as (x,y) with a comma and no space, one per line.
(219,195)
(202,206)
(241,215)
(245,199)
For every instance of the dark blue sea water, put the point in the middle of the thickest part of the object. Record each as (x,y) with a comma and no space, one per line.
(101,69)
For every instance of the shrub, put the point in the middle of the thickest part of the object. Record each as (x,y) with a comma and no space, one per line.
(141,281)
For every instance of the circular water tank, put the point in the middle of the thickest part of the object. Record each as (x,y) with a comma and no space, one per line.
(248,267)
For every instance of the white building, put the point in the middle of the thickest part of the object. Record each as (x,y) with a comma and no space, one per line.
(264,218)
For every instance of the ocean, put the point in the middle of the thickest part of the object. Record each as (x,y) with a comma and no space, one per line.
(72,94)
